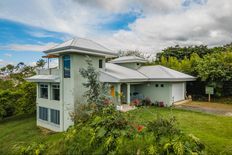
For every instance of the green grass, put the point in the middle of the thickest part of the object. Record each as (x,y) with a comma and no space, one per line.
(21,131)
(214,131)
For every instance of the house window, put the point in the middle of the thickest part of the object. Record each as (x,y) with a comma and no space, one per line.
(43,113)
(162,85)
(56,92)
(67,66)
(44,91)
(100,63)
(156,85)
(55,116)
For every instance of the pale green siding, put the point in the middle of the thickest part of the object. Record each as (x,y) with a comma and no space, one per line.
(73,88)
(131,65)
(155,93)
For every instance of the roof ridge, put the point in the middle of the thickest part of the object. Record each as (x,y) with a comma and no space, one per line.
(93,42)
(72,41)
(162,67)
(143,74)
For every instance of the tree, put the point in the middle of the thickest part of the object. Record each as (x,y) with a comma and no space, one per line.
(97,92)
(3,70)
(10,68)
(26,104)
(19,66)
(40,63)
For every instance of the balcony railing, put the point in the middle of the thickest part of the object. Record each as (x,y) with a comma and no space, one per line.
(49,71)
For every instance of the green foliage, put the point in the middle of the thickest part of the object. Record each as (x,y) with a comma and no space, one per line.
(20,100)
(211,65)
(108,131)
(7,103)
(181,52)
(33,149)
(97,92)
(16,95)
(40,63)
(215,67)
(6,85)
(26,104)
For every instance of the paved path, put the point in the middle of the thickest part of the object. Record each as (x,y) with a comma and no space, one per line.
(206,107)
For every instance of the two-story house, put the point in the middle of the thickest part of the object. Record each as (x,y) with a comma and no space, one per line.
(60,89)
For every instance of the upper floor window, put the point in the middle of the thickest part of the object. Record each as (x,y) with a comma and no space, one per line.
(44,91)
(100,63)
(67,66)
(56,92)
(43,113)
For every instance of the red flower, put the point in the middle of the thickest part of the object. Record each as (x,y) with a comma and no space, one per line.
(140,128)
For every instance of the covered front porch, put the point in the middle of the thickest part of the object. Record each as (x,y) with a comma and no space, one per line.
(136,93)
(125,93)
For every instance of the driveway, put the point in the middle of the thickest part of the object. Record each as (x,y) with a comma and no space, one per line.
(208,107)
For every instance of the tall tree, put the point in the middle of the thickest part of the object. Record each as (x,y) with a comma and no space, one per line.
(40,63)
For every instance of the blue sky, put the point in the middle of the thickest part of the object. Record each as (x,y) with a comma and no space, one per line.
(14,34)
(28,27)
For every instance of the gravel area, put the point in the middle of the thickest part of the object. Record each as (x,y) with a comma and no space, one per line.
(206,107)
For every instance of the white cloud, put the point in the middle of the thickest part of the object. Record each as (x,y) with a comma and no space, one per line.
(8,55)
(162,23)
(3,62)
(28,47)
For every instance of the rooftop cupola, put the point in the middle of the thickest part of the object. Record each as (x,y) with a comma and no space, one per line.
(132,62)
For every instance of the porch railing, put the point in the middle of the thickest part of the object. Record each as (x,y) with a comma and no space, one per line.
(49,71)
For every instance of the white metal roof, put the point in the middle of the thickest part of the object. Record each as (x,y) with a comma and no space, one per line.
(158,72)
(128,59)
(44,78)
(81,45)
(117,73)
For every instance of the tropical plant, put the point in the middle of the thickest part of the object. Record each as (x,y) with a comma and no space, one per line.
(108,131)
(97,92)
(40,63)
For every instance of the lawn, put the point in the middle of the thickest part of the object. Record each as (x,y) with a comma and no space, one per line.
(22,130)
(214,131)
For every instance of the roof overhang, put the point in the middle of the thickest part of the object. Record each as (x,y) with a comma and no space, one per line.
(43,78)
(171,79)
(106,77)
(75,49)
(128,61)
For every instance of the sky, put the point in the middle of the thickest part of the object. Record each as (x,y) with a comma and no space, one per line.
(28,27)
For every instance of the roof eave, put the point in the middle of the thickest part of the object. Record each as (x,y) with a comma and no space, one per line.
(80,50)
(42,80)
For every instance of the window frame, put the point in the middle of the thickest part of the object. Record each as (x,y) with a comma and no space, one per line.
(56,118)
(52,91)
(43,86)
(43,116)
(67,66)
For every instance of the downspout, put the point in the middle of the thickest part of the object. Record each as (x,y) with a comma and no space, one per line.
(62,89)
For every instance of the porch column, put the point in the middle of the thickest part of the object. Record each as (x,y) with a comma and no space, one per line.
(119,92)
(128,93)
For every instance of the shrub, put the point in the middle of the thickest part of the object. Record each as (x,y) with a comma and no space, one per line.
(33,149)
(108,131)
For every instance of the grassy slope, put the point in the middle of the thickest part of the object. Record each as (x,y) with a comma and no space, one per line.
(214,131)
(22,131)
